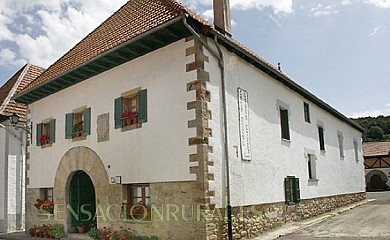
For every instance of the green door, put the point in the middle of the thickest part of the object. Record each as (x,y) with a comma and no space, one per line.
(82,200)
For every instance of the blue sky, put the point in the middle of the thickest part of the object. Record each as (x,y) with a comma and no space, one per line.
(337,49)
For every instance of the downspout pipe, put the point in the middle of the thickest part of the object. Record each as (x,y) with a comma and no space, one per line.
(219,56)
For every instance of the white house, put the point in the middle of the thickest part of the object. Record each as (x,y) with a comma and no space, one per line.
(12,151)
(156,108)
(377,164)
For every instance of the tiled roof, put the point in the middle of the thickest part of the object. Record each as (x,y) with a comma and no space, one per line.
(372,149)
(13,86)
(131,20)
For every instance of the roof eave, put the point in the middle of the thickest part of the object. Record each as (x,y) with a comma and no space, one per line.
(95,66)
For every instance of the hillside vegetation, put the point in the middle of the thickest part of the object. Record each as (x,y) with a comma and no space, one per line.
(376,128)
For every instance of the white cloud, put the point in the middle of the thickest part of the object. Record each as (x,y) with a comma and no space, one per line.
(44,30)
(385,111)
(379,3)
(7,57)
(374,31)
(280,6)
(321,10)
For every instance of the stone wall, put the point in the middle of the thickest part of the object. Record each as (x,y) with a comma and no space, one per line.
(251,221)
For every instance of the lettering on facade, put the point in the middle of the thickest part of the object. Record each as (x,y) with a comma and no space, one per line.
(243,112)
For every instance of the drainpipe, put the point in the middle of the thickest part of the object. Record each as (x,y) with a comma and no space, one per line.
(219,56)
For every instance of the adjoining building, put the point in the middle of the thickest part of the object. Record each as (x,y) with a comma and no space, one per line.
(158,121)
(12,151)
(377,165)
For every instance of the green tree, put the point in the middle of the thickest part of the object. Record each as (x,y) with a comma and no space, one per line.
(375,133)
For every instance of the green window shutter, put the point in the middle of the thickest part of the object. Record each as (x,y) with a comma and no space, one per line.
(287,190)
(87,121)
(142,106)
(118,112)
(297,191)
(39,133)
(68,125)
(321,138)
(284,124)
(52,131)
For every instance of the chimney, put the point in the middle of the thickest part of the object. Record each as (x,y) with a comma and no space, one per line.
(222,16)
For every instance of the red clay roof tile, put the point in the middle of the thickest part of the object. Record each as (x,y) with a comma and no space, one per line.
(373,149)
(131,20)
(8,107)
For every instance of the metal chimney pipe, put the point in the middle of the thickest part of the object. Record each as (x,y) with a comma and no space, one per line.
(222,20)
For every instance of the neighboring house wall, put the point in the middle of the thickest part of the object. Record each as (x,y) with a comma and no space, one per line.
(12,174)
(378,166)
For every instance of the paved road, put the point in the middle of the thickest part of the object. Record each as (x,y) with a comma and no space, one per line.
(369,221)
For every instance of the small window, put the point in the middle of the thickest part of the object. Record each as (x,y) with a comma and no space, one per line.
(311,166)
(340,138)
(321,138)
(292,191)
(356,149)
(46,132)
(131,109)
(78,123)
(137,206)
(285,129)
(306,111)
(46,194)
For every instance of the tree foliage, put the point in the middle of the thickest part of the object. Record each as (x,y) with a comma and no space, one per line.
(376,128)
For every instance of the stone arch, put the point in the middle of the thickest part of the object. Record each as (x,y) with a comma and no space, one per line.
(80,159)
(376,172)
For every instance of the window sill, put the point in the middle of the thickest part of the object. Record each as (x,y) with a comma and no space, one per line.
(80,138)
(314,180)
(46,145)
(131,127)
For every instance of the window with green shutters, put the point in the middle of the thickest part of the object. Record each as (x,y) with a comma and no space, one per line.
(78,123)
(130,110)
(45,133)
(285,129)
(292,191)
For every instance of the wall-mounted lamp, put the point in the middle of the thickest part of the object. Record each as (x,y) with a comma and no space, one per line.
(14,120)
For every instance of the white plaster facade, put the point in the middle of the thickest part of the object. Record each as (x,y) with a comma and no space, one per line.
(12,178)
(261,179)
(157,152)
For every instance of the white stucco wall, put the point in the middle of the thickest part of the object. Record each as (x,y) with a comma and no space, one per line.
(156,152)
(261,179)
(12,165)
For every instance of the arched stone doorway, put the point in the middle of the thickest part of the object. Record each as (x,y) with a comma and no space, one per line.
(376,180)
(87,161)
(82,200)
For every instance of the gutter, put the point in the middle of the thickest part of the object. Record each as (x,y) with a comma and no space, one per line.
(219,56)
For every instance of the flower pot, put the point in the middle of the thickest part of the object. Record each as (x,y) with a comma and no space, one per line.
(80,229)
(135,120)
(127,121)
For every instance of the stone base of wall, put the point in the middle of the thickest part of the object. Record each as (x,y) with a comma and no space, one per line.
(251,221)
(178,212)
